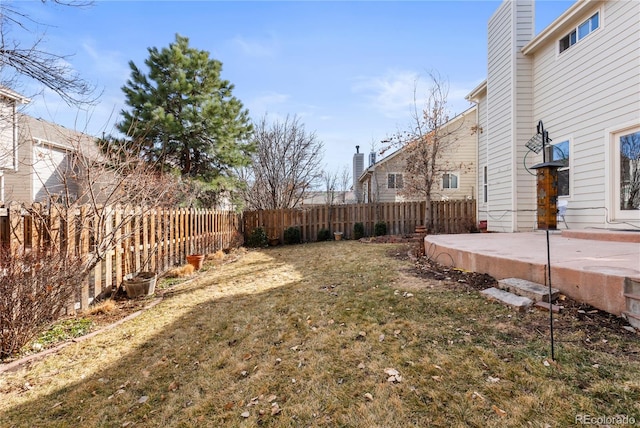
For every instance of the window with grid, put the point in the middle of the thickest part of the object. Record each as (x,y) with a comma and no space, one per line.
(449,181)
(394,181)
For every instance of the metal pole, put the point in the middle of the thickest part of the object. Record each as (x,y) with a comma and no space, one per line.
(545,140)
(553,357)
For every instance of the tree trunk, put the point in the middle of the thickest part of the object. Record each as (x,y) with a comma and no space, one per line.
(428,215)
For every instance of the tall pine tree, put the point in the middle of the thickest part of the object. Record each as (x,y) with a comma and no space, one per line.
(183,117)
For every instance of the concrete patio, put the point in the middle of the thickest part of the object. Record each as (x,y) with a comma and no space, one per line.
(590,266)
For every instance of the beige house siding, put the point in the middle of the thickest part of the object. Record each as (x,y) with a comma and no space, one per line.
(525,185)
(483,134)
(585,93)
(500,98)
(464,152)
(379,190)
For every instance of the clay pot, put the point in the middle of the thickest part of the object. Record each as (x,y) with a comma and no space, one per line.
(196,260)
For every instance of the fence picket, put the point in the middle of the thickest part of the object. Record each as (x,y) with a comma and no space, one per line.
(401,218)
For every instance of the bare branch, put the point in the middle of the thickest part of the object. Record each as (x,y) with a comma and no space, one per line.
(34,62)
(285,166)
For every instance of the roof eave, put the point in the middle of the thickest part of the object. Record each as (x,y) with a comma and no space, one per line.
(559,25)
(13,95)
(475,93)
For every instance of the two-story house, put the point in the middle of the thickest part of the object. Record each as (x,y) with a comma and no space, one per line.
(580,77)
(384,180)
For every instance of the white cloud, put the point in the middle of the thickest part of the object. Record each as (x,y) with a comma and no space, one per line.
(397,92)
(266,103)
(391,94)
(106,65)
(256,48)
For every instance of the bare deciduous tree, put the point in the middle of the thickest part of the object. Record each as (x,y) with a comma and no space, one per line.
(428,145)
(30,59)
(330,182)
(344,181)
(284,167)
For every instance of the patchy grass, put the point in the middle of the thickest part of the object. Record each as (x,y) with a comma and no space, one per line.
(66,329)
(305,335)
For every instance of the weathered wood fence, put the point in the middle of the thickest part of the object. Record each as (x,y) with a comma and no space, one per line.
(133,239)
(137,239)
(401,218)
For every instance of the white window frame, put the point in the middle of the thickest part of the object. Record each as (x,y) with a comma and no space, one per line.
(395,180)
(454,173)
(613,174)
(575,32)
(570,167)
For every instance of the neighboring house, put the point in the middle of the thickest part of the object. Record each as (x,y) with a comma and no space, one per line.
(339,197)
(384,180)
(581,77)
(37,157)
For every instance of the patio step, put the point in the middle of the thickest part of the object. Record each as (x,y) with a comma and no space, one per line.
(519,302)
(632,297)
(532,290)
(633,320)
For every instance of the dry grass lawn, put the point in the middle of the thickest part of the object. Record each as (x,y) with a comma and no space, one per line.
(327,334)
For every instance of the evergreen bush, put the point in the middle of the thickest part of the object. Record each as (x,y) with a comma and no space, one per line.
(292,235)
(380,228)
(358,231)
(324,235)
(258,238)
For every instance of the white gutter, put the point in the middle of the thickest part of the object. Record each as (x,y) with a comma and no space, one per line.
(560,24)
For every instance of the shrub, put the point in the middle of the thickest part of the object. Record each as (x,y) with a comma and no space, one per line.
(380,228)
(258,238)
(35,290)
(324,235)
(292,235)
(358,231)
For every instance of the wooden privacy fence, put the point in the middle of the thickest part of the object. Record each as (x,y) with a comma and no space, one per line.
(401,218)
(126,239)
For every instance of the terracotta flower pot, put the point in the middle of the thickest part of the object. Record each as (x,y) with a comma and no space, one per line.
(196,260)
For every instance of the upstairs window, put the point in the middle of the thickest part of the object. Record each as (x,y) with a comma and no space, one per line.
(449,181)
(579,33)
(394,181)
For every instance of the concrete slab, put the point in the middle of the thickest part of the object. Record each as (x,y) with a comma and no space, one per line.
(589,271)
(546,307)
(519,302)
(533,290)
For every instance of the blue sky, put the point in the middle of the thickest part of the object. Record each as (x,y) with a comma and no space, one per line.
(346,69)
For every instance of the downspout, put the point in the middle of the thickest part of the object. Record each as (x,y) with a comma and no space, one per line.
(1,187)
(15,140)
(479,175)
